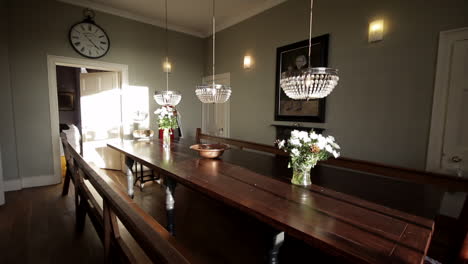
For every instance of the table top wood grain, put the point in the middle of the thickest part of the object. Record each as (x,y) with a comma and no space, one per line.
(337,223)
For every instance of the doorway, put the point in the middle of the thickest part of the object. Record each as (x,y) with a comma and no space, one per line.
(97,80)
(448,140)
(216,117)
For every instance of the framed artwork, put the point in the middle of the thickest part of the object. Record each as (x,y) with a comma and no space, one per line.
(294,57)
(66,101)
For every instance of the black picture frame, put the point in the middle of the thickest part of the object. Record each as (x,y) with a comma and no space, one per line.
(66,101)
(287,109)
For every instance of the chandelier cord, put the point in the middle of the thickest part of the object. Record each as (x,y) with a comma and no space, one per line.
(214,39)
(167,53)
(310,30)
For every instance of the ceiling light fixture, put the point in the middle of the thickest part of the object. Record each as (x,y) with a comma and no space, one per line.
(167,97)
(310,83)
(213,93)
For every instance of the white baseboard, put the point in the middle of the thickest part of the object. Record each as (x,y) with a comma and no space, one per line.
(12,185)
(28,182)
(41,180)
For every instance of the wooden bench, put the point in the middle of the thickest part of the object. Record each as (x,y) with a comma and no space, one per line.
(117,210)
(446,182)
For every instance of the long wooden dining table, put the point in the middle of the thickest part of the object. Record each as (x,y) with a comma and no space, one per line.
(339,224)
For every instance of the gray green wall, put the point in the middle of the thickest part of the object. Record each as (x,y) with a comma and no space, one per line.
(381,109)
(40,28)
(7,134)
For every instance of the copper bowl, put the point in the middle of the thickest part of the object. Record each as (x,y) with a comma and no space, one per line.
(210,151)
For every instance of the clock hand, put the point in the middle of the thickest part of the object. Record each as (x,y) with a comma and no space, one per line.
(92,42)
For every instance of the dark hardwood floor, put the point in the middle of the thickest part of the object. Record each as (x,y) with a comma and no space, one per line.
(37,225)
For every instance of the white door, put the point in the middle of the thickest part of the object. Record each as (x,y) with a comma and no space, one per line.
(455,144)
(216,117)
(448,142)
(101,118)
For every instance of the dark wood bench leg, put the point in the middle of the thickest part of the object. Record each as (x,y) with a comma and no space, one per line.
(278,239)
(170,204)
(80,210)
(66,183)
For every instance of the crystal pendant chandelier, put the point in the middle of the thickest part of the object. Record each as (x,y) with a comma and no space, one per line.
(167,97)
(310,83)
(213,93)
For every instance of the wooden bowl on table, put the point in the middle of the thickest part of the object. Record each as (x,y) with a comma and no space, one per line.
(210,151)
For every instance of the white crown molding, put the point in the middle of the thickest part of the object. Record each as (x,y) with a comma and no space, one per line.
(231,21)
(132,16)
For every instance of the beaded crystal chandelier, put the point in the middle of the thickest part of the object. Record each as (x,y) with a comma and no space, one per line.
(167,97)
(310,83)
(213,93)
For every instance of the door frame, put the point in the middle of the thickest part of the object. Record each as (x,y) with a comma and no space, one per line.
(208,79)
(52,62)
(439,104)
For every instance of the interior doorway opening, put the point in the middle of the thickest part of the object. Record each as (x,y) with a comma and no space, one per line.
(87,94)
(90,113)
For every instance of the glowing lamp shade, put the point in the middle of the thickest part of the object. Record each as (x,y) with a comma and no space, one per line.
(376,30)
(247,62)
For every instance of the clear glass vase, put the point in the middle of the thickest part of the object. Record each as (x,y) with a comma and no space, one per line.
(166,138)
(301,175)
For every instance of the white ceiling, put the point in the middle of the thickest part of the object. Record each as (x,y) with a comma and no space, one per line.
(188,16)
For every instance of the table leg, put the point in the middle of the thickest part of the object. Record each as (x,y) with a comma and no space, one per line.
(129,164)
(170,204)
(278,239)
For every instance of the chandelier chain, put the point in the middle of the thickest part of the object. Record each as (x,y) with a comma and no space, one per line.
(167,52)
(214,42)
(310,30)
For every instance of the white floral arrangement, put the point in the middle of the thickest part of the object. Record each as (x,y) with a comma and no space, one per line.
(306,149)
(167,117)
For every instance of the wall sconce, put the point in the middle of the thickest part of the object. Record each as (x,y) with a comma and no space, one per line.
(247,62)
(376,30)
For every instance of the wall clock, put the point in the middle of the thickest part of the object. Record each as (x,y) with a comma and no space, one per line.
(89,39)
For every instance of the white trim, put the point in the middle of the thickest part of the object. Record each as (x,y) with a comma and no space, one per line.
(133,16)
(12,185)
(28,182)
(40,180)
(52,61)
(439,105)
(230,21)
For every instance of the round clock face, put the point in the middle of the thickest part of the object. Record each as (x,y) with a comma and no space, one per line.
(89,40)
